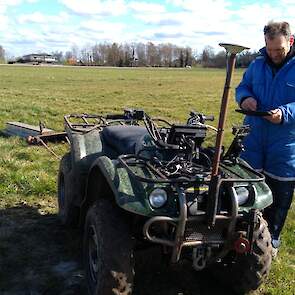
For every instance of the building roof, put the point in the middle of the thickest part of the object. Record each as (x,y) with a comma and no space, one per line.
(38,54)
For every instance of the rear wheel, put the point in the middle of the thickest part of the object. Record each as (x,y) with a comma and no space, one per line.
(248,271)
(67,212)
(107,251)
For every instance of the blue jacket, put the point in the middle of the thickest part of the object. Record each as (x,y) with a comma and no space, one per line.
(270,147)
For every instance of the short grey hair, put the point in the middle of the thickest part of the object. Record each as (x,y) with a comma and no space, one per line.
(274,29)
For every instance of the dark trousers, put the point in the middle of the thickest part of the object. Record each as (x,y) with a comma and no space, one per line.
(276,214)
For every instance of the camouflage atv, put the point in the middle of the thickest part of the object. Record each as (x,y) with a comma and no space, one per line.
(132,182)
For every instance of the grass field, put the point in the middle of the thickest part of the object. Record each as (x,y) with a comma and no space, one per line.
(37,255)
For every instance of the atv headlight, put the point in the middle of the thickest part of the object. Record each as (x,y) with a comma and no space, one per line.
(243,194)
(158,198)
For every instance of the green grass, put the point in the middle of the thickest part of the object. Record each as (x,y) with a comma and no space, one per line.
(28,173)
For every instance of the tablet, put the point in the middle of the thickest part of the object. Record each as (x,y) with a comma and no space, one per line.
(254,113)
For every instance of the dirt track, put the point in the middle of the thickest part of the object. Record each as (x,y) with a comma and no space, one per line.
(39,257)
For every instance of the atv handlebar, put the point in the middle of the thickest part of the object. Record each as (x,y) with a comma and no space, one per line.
(134,114)
(196,118)
(209,118)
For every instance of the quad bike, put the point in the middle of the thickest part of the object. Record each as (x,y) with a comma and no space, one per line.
(131,182)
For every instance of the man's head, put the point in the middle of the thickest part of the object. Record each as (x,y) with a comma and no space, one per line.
(277,40)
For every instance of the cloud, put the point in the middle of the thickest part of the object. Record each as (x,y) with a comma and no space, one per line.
(146,8)
(249,20)
(193,28)
(161,19)
(217,21)
(209,6)
(29,34)
(210,33)
(40,18)
(11,2)
(180,22)
(4,21)
(96,7)
(5,3)
(162,35)
(191,15)
(102,26)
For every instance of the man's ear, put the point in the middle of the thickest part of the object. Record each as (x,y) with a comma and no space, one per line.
(291,40)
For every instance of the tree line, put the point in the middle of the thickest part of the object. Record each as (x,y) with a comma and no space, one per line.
(128,55)
(145,55)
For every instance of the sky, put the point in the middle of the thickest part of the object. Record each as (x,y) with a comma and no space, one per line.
(32,26)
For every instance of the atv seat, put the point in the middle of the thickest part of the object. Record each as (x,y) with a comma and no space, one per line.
(123,139)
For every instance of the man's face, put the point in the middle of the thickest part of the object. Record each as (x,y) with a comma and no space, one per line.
(277,48)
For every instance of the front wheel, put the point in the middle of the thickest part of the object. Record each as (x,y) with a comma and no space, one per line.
(107,251)
(248,271)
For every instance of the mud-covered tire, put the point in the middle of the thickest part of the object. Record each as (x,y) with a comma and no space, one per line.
(107,251)
(67,212)
(248,271)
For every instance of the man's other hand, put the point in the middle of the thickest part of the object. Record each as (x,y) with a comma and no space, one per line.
(275,117)
(249,104)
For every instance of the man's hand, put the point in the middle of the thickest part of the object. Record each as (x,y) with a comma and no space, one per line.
(249,103)
(275,117)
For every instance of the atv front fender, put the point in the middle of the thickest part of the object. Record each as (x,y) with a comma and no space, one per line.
(129,193)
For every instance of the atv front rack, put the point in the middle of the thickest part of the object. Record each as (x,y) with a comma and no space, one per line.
(129,161)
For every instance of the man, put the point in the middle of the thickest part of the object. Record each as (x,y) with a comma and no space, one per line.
(269,85)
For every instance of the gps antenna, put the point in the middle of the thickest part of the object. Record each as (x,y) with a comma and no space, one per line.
(231,51)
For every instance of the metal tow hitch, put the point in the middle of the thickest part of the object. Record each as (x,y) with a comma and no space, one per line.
(199,258)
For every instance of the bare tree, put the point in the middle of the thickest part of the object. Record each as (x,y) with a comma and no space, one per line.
(75,52)
(128,53)
(188,57)
(103,53)
(140,54)
(207,56)
(245,58)
(112,52)
(86,55)
(166,52)
(2,54)
(68,56)
(219,60)
(59,56)
(153,57)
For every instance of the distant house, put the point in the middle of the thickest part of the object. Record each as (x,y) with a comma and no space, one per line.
(37,58)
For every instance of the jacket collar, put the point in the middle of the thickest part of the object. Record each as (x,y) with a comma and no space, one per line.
(276,67)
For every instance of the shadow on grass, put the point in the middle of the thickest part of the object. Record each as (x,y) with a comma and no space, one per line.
(37,254)
(40,256)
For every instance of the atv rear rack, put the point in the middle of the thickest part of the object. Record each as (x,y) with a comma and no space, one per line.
(87,122)
(84,122)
